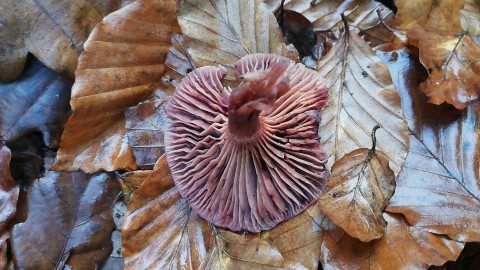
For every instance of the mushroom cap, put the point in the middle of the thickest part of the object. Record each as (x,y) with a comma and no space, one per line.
(253,180)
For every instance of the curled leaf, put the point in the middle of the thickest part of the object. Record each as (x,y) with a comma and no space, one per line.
(454,65)
(123,64)
(358,192)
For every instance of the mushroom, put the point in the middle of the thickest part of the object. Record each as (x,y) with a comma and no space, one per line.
(248,158)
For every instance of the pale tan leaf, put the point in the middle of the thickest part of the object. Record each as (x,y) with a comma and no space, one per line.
(442,15)
(470,17)
(402,247)
(326,14)
(123,64)
(358,193)
(361,96)
(221,32)
(54,31)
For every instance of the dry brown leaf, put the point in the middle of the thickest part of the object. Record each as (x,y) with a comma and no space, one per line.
(361,96)
(146,122)
(454,65)
(122,65)
(325,14)
(145,126)
(221,32)
(179,239)
(402,247)
(160,231)
(470,18)
(69,222)
(8,190)
(439,188)
(358,193)
(54,31)
(37,101)
(442,15)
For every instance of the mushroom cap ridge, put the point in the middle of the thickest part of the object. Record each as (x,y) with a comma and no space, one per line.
(255,180)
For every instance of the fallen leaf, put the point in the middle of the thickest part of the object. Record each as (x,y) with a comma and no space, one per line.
(470,18)
(69,222)
(454,65)
(442,15)
(8,191)
(438,189)
(54,31)
(179,238)
(358,192)
(37,101)
(145,126)
(221,32)
(361,96)
(123,64)
(468,259)
(160,230)
(146,122)
(402,247)
(298,31)
(326,14)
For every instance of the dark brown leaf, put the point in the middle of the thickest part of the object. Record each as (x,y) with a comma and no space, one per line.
(402,247)
(298,30)
(123,64)
(69,222)
(439,187)
(358,193)
(54,31)
(37,101)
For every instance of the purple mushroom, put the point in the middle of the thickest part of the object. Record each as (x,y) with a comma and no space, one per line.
(248,158)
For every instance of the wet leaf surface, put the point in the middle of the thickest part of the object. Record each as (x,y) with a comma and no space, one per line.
(123,64)
(362,96)
(358,192)
(37,101)
(69,222)
(54,31)
(402,247)
(221,32)
(439,187)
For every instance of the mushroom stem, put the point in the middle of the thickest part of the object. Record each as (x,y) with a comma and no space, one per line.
(258,92)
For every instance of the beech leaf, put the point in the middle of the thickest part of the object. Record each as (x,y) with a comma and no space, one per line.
(439,188)
(402,247)
(358,192)
(123,64)
(146,122)
(54,31)
(470,18)
(69,222)
(442,15)
(221,32)
(326,14)
(454,62)
(361,96)
(178,238)
(37,101)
